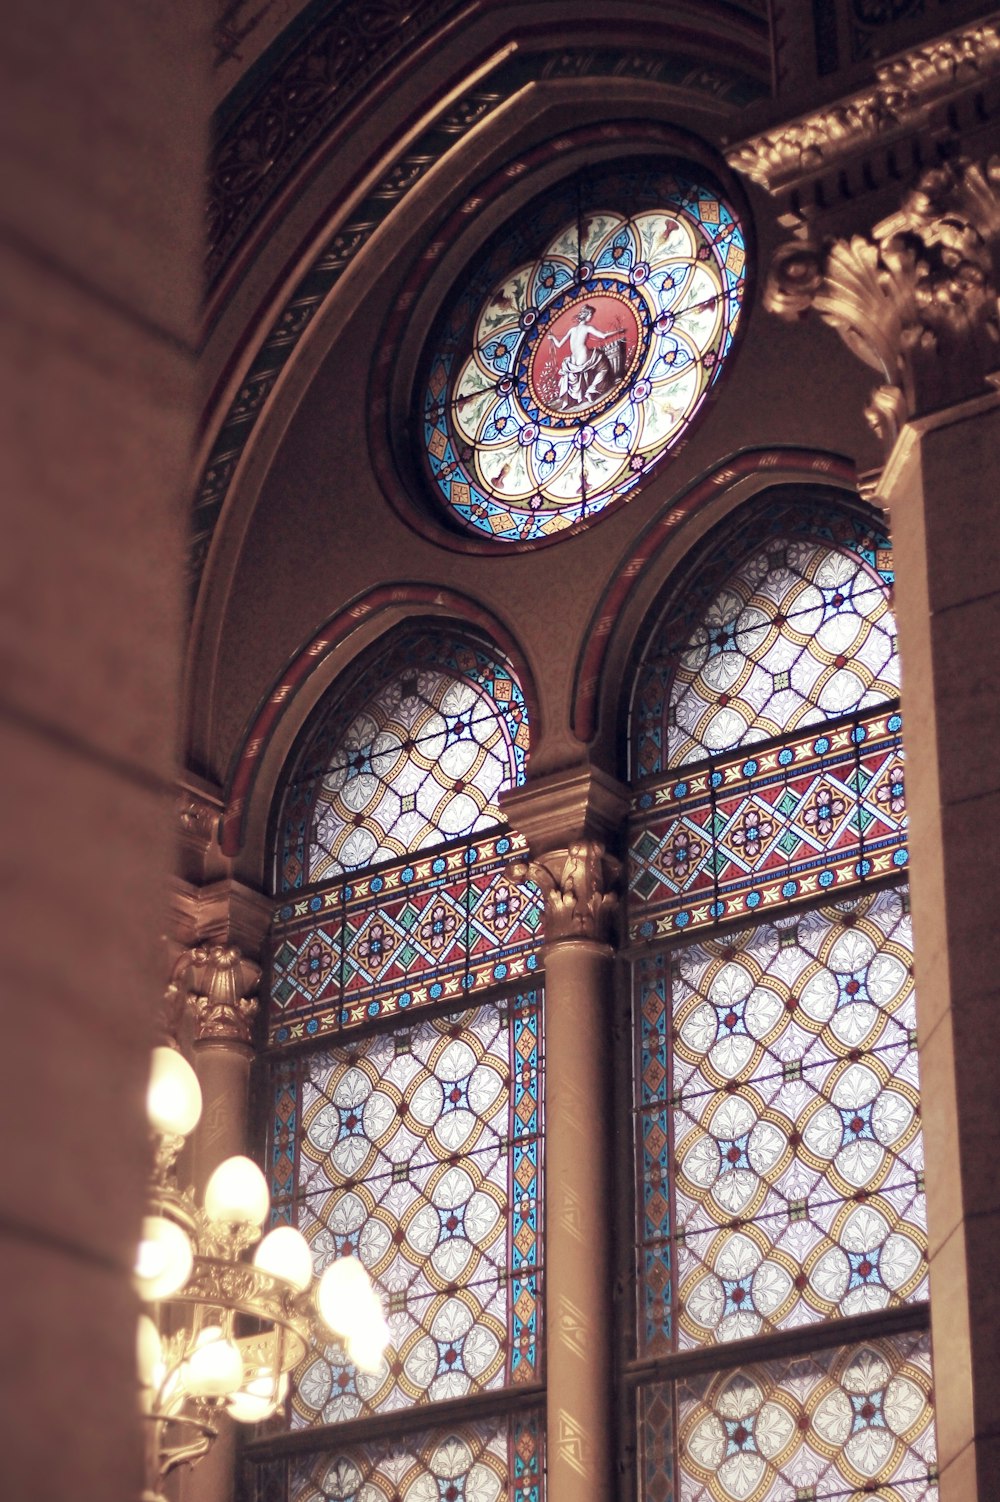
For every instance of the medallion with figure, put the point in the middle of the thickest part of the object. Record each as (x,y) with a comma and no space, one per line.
(578,352)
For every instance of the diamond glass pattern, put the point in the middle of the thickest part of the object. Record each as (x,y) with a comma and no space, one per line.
(420,1153)
(436,928)
(748,834)
(837,1424)
(779,1092)
(783,633)
(416,755)
(580,349)
(490,1461)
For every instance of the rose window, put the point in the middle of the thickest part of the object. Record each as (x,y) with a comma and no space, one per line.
(579,352)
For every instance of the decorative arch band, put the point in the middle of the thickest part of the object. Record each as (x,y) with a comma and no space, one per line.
(419,597)
(591,665)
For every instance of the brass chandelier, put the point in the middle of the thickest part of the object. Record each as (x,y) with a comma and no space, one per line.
(221,1330)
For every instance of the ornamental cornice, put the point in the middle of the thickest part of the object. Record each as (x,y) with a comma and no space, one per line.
(906,90)
(916,300)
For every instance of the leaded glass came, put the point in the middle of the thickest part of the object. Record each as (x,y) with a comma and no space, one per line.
(416,755)
(779,1078)
(418,1151)
(579,351)
(841,1423)
(797,631)
(779,1150)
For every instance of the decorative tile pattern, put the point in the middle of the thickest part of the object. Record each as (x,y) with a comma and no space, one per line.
(416,753)
(493,1460)
(779,1095)
(837,1424)
(753,833)
(439,927)
(788,624)
(419,1151)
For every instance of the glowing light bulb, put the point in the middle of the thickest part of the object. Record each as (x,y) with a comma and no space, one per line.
(236,1194)
(215,1366)
(341,1288)
(173,1098)
(285,1254)
(164,1259)
(258,1399)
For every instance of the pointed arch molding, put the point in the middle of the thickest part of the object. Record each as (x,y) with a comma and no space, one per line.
(455,608)
(770,465)
(267,351)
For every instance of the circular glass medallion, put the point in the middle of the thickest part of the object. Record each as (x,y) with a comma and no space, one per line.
(556,386)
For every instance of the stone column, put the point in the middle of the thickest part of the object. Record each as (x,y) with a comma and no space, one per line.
(917,301)
(566,820)
(217,981)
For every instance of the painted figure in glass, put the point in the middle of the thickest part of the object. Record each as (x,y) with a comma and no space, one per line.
(589,370)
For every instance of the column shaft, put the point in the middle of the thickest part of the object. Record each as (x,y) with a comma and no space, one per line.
(578,1220)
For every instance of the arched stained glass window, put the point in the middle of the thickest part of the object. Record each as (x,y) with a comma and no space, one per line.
(779,1151)
(406,1090)
(433,732)
(579,350)
(800,632)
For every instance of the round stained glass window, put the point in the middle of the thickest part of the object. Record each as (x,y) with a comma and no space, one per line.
(577,354)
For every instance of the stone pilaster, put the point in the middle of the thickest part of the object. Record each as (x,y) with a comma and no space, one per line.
(939,487)
(217,929)
(568,820)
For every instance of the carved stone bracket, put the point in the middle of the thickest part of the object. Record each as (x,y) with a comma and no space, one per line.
(578,885)
(906,89)
(917,300)
(217,982)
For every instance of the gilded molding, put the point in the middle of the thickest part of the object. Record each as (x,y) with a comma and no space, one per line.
(578,885)
(916,300)
(906,88)
(218,982)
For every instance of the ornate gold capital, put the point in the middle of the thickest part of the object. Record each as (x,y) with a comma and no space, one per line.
(578,887)
(218,983)
(917,300)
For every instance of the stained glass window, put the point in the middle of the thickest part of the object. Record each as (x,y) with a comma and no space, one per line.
(779,1084)
(779,1150)
(405,1094)
(489,1461)
(419,1152)
(416,755)
(577,353)
(840,1423)
(799,631)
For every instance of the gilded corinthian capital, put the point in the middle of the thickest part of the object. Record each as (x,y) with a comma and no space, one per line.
(916,300)
(218,982)
(578,887)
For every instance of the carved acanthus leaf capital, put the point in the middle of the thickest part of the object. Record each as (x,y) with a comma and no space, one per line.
(917,300)
(579,887)
(219,982)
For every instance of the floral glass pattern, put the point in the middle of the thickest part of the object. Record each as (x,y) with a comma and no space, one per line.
(441,927)
(836,1424)
(779,1089)
(419,1151)
(579,351)
(416,755)
(489,1461)
(798,631)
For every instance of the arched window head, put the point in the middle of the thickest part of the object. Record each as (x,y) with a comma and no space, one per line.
(794,627)
(415,752)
